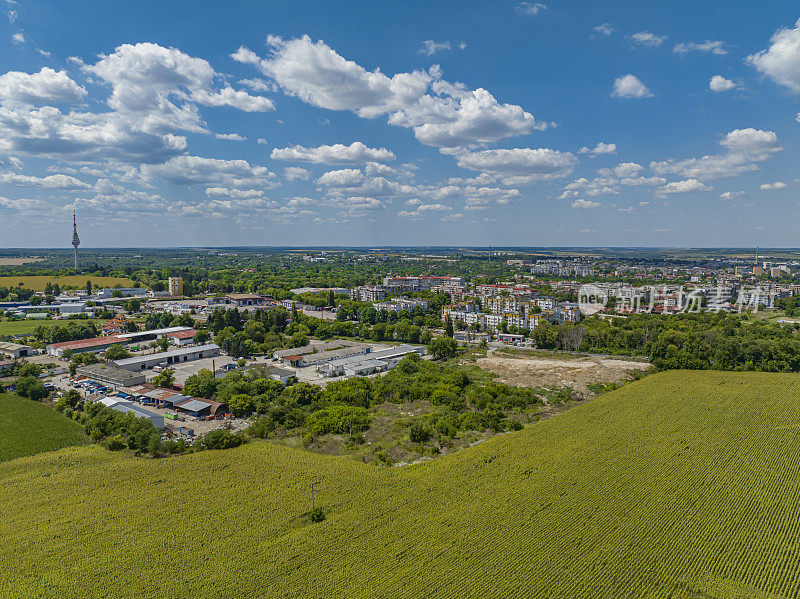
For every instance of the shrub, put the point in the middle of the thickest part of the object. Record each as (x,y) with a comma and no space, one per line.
(261,428)
(116,443)
(419,433)
(317,514)
(338,419)
(220,439)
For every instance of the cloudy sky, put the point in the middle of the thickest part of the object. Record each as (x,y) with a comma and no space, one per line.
(405,123)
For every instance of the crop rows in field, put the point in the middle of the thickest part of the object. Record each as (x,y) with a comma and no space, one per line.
(28,427)
(682,485)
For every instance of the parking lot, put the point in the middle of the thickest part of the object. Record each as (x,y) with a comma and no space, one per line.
(184,370)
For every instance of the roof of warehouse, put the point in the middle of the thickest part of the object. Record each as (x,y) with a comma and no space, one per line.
(183,334)
(167,354)
(332,354)
(194,405)
(112,400)
(12,346)
(393,351)
(159,393)
(129,407)
(100,369)
(154,332)
(369,363)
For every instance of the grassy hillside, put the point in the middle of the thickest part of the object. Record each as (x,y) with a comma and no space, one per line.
(683,485)
(28,427)
(38,282)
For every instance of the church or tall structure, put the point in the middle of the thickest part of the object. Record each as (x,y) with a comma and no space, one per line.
(75,239)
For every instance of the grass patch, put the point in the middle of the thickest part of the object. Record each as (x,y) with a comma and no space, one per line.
(29,427)
(26,327)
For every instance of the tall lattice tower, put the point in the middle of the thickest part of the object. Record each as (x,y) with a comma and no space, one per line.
(76,241)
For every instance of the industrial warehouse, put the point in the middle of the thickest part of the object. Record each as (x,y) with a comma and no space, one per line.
(168,358)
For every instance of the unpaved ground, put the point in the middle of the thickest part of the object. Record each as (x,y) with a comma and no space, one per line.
(554,372)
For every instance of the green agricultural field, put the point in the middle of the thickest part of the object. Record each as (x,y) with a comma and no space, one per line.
(25,327)
(29,427)
(682,485)
(38,283)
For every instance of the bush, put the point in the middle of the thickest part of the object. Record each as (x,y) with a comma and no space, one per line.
(338,419)
(220,439)
(261,428)
(419,433)
(317,514)
(116,443)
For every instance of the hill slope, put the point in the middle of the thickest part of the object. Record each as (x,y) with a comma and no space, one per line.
(28,427)
(682,485)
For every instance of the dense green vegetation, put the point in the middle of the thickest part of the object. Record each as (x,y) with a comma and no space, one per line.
(679,485)
(28,427)
(461,399)
(698,341)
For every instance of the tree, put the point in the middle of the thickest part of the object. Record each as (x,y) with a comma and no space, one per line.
(117,352)
(30,387)
(331,298)
(443,347)
(241,404)
(89,286)
(448,326)
(165,378)
(201,337)
(163,343)
(298,339)
(202,384)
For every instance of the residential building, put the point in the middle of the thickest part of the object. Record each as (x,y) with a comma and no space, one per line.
(397,304)
(368,293)
(175,286)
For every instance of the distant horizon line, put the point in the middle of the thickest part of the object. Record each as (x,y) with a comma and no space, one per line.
(373,247)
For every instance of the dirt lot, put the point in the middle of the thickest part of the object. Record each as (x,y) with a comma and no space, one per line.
(551,372)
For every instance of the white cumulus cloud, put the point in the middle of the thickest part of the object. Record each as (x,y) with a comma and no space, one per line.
(629,86)
(520,165)
(718,83)
(441,114)
(333,154)
(708,46)
(45,87)
(645,38)
(776,185)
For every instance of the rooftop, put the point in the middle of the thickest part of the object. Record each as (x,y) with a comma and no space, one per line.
(8,346)
(167,354)
(165,331)
(91,342)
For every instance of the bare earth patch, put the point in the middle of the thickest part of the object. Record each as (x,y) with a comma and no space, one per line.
(555,372)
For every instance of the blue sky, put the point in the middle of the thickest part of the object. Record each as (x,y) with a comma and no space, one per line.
(413,123)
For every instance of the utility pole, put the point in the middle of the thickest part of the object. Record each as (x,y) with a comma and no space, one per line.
(313,488)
